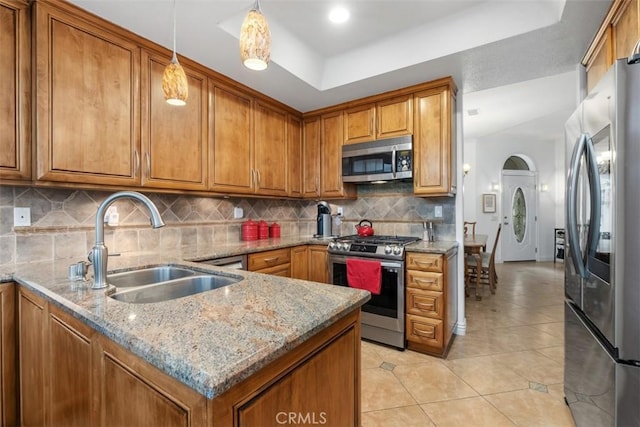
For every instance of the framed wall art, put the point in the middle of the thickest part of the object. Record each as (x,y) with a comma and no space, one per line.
(489,203)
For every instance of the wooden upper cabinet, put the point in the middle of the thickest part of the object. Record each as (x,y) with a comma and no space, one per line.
(384,119)
(359,124)
(626,29)
(394,117)
(15,87)
(311,135)
(434,142)
(231,144)
(174,138)
(87,102)
(615,39)
(294,157)
(331,185)
(271,152)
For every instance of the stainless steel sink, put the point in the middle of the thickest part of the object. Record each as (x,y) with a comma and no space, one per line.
(176,288)
(147,276)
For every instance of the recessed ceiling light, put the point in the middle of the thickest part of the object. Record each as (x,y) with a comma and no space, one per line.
(338,15)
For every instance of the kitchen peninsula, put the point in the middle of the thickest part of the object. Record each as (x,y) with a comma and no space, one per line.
(235,354)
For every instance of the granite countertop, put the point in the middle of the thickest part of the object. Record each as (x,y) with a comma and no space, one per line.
(209,341)
(212,340)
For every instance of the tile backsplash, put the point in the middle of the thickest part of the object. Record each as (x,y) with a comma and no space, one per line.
(63,220)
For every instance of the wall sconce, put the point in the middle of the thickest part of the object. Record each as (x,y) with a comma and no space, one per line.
(495,186)
(466,168)
(544,188)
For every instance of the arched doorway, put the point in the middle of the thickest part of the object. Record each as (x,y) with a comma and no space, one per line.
(519,209)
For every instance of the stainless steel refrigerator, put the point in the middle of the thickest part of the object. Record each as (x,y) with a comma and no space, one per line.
(602,266)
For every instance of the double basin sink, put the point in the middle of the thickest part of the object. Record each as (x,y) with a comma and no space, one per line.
(164,283)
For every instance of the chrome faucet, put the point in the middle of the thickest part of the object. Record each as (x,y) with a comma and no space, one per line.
(99,253)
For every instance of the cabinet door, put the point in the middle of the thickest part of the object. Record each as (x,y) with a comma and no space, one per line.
(311,157)
(8,356)
(70,366)
(294,143)
(432,145)
(626,29)
(15,86)
(331,156)
(300,262)
(359,124)
(232,141)
(329,401)
(318,268)
(270,162)
(87,103)
(174,138)
(394,117)
(32,330)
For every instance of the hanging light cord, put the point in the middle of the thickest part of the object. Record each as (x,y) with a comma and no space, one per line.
(174,58)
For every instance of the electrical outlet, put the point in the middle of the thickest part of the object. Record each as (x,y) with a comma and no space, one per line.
(438,212)
(238,213)
(21,217)
(340,210)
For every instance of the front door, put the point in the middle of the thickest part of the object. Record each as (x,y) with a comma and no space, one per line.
(519,216)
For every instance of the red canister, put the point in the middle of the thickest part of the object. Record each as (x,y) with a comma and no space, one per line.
(274,230)
(263,230)
(249,230)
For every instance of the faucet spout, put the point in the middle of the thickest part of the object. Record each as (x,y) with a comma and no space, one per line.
(99,253)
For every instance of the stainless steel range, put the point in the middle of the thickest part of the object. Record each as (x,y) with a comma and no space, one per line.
(383,314)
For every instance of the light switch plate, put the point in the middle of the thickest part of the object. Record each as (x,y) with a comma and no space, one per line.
(21,217)
(438,212)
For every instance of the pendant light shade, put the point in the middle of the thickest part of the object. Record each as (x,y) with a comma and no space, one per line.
(174,81)
(255,40)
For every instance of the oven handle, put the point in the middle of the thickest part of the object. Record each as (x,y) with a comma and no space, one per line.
(384,264)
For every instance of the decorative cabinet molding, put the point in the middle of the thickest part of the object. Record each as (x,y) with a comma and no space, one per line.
(15,86)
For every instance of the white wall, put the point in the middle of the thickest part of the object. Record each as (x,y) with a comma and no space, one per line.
(487,155)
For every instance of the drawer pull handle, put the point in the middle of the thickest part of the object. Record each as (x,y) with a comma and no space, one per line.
(426,334)
(425,306)
(428,282)
(423,263)
(271,260)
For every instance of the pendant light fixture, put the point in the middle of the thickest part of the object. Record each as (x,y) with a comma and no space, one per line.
(255,40)
(174,80)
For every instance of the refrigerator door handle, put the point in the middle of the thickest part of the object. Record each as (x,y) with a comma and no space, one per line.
(595,194)
(572,220)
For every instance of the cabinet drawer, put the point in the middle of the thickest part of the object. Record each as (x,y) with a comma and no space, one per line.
(424,280)
(283,270)
(261,260)
(425,262)
(425,303)
(425,330)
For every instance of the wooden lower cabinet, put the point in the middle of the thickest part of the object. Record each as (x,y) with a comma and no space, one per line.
(431,302)
(71,375)
(300,262)
(276,262)
(318,264)
(8,356)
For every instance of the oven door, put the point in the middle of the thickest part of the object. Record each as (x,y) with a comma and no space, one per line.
(385,310)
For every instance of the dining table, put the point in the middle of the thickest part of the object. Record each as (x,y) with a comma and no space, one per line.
(474,245)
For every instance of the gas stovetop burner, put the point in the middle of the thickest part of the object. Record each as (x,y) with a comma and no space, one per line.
(389,247)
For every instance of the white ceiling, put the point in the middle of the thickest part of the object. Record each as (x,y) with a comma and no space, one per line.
(513,60)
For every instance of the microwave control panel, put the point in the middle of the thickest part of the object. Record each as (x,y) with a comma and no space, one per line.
(403,163)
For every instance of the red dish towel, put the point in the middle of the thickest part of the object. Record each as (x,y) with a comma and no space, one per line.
(364,274)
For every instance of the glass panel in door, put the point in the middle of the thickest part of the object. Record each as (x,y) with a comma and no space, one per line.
(519,215)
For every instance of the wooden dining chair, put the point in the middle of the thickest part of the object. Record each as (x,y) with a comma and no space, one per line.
(487,275)
(470,225)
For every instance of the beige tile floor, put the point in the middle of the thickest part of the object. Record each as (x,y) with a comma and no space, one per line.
(506,371)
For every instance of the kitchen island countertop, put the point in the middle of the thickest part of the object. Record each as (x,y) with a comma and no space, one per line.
(208,341)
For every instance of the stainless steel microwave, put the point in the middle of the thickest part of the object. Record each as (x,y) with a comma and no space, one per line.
(376,161)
